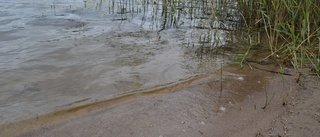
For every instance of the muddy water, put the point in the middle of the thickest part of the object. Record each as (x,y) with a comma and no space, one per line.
(56,55)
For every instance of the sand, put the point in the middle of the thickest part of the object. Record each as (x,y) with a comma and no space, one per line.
(195,107)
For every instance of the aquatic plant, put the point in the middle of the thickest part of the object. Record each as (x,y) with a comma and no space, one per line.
(289,27)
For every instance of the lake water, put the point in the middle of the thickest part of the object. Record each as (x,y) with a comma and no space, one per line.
(57,54)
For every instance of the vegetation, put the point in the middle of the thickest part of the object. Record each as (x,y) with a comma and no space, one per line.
(289,27)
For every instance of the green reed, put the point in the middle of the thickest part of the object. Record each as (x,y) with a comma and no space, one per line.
(289,27)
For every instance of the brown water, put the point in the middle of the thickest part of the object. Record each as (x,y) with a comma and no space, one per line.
(57,55)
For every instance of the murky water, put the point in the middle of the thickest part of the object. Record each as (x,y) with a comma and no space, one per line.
(60,54)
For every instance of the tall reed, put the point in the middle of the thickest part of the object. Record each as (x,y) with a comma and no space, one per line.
(290,27)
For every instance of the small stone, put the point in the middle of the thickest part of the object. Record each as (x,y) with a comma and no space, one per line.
(183,122)
(259,82)
(223,109)
(161,136)
(202,123)
(240,78)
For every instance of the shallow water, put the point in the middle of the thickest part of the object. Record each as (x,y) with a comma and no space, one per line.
(56,55)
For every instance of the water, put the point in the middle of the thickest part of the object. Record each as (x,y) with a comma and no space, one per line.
(61,54)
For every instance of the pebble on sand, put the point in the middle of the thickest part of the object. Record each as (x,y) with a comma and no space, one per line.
(223,109)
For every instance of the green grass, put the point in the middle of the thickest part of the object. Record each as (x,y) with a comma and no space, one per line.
(290,28)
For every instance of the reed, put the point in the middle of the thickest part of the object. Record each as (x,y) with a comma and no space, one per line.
(290,28)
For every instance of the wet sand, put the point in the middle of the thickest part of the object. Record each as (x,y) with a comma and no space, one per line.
(194,107)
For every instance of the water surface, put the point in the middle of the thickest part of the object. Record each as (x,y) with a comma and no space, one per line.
(61,54)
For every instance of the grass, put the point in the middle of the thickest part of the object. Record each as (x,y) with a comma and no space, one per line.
(267,102)
(290,28)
